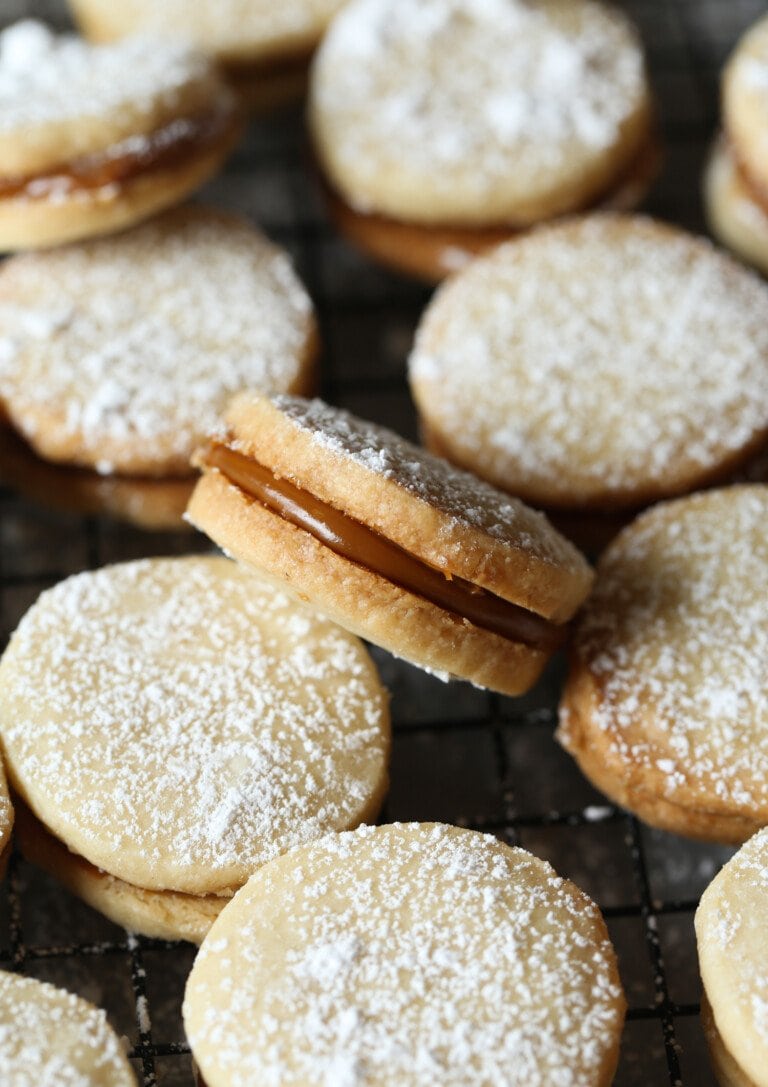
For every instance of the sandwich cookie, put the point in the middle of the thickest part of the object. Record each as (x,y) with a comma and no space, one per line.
(736,177)
(171,724)
(666,704)
(120,354)
(392,543)
(93,139)
(52,1038)
(411,953)
(460,121)
(262,47)
(600,363)
(735,213)
(733,959)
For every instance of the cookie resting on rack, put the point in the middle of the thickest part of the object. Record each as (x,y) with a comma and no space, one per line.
(600,363)
(415,954)
(171,724)
(666,704)
(52,1038)
(441,125)
(392,543)
(95,138)
(120,354)
(733,958)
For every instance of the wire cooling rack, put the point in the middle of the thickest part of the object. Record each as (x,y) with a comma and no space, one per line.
(460,755)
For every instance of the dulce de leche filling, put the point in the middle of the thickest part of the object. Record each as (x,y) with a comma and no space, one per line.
(356,542)
(164,148)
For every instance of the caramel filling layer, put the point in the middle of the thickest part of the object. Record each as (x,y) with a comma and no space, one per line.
(166,147)
(365,547)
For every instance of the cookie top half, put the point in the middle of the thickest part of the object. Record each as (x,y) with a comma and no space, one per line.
(667,690)
(120,354)
(62,99)
(231,30)
(609,360)
(422,953)
(733,956)
(52,1038)
(745,104)
(477,111)
(177,722)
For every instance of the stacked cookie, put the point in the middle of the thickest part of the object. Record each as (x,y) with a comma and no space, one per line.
(443,126)
(736,182)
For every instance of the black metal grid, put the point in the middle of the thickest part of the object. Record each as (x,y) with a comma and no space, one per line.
(460,754)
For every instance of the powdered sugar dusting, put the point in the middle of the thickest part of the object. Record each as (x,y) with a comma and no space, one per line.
(676,634)
(130,347)
(414,954)
(51,1038)
(504,86)
(595,356)
(46,79)
(730,927)
(178,720)
(463,497)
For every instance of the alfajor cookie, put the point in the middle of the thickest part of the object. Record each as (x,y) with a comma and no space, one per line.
(600,363)
(392,543)
(733,959)
(745,106)
(93,139)
(459,121)
(52,1038)
(421,953)
(171,724)
(262,47)
(120,354)
(666,703)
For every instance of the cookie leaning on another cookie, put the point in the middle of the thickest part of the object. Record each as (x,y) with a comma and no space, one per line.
(600,363)
(120,354)
(172,724)
(666,704)
(93,139)
(52,1038)
(730,932)
(430,955)
(392,543)
(452,120)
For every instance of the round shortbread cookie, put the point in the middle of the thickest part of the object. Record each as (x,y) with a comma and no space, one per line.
(234,31)
(745,103)
(735,215)
(52,1038)
(419,953)
(177,722)
(120,354)
(603,362)
(93,138)
(477,112)
(666,707)
(733,958)
(389,541)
